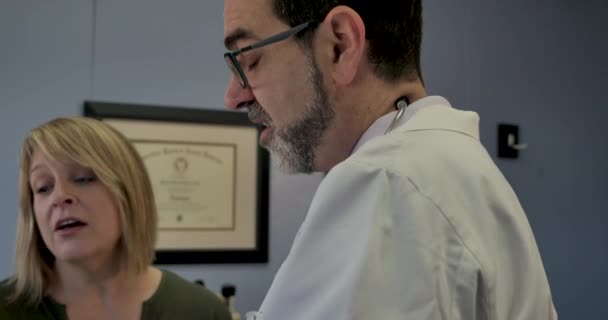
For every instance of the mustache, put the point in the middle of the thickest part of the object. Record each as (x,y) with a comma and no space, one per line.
(255,112)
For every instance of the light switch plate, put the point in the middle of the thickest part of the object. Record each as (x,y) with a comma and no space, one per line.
(504,150)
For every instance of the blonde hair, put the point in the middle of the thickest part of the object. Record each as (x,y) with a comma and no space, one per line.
(96,145)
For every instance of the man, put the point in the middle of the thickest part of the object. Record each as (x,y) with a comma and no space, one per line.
(413,219)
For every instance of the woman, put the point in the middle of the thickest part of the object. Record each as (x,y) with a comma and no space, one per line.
(86,233)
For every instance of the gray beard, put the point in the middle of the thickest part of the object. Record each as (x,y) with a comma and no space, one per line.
(295,145)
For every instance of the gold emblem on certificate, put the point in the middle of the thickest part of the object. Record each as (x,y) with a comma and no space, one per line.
(193,183)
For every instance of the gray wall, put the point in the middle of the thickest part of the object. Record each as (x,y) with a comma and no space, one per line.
(540,65)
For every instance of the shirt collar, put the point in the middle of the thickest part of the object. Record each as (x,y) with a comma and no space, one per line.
(381,124)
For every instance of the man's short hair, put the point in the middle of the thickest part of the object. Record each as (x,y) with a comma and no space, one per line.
(393,29)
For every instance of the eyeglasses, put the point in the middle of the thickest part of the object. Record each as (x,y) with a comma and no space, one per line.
(236,67)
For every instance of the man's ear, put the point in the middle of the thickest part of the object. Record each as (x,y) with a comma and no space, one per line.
(346,35)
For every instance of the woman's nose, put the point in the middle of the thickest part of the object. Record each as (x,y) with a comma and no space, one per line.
(64,195)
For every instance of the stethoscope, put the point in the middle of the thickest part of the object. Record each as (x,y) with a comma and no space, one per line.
(400,104)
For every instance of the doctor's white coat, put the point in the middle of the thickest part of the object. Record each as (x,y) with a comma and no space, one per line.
(416,224)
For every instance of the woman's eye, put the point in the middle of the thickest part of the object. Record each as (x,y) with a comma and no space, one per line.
(42,189)
(85,179)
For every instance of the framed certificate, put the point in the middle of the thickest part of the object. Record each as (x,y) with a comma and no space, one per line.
(210,180)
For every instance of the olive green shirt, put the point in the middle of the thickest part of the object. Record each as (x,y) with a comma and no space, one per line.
(175,298)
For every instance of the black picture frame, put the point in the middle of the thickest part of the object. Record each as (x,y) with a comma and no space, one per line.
(167,114)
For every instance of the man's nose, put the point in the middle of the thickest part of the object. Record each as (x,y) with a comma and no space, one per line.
(236,96)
